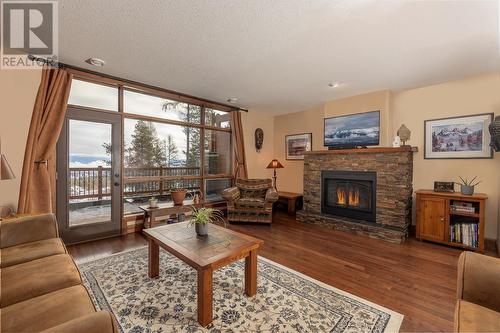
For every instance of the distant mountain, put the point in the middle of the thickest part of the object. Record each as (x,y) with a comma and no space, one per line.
(455,131)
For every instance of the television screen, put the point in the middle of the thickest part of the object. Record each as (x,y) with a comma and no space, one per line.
(362,129)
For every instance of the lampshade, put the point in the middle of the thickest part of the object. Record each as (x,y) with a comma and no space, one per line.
(275,164)
(5,169)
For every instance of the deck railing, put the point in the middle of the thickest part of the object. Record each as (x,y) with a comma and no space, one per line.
(87,183)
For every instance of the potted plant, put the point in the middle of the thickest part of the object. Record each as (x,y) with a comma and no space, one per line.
(178,192)
(467,186)
(201,217)
(153,202)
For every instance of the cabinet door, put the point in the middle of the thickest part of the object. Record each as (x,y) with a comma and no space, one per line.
(432,212)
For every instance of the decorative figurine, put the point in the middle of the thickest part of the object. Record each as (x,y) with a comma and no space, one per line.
(397,142)
(404,134)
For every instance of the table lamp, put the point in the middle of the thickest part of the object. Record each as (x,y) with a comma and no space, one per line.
(275,164)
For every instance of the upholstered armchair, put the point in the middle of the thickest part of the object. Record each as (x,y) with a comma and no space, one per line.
(251,200)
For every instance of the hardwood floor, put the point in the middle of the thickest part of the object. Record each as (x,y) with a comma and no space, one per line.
(416,279)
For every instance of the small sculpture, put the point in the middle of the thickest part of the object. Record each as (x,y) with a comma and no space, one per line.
(259,139)
(404,134)
(495,134)
(397,142)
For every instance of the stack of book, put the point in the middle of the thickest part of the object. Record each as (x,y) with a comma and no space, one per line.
(465,233)
(462,207)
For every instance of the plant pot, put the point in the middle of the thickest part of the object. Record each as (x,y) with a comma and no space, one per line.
(201,229)
(153,203)
(467,190)
(178,197)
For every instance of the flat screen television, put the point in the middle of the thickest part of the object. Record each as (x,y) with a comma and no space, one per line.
(356,130)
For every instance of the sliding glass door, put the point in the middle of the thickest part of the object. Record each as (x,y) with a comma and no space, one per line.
(89,182)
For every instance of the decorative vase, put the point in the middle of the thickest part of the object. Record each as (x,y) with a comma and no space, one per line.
(178,197)
(466,190)
(153,203)
(201,229)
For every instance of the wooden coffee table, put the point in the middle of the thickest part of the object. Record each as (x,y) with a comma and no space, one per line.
(205,254)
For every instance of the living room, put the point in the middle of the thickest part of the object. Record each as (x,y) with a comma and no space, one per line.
(350,170)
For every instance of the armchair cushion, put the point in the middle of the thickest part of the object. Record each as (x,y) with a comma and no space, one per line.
(272,195)
(46,311)
(18,254)
(470,317)
(100,321)
(27,229)
(231,194)
(38,277)
(250,203)
(479,280)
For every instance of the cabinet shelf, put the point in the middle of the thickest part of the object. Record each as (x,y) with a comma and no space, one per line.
(434,218)
(465,214)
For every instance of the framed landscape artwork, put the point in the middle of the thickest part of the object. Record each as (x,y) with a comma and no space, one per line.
(458,137)
(296,145)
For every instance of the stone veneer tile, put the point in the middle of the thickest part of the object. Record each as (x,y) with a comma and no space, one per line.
(394,191)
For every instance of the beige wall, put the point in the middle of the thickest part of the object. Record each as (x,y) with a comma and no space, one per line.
(290,178)
(18,90)
(257,161)
(480,94)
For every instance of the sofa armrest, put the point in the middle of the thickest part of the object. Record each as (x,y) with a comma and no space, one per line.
(271,195)
(231,194)
(27,229)
(101,321)
(479,280)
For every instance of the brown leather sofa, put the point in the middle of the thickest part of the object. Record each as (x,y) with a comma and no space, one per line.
(41,288)
(478,294)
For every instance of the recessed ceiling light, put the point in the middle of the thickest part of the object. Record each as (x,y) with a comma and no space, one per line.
(232,100)
(95,62)
(334,84)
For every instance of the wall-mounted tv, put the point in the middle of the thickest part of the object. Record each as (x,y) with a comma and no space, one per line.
(356,130)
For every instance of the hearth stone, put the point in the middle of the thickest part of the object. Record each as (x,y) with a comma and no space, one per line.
(394,168)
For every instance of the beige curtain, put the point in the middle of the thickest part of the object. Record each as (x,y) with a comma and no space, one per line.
(38,188)
(240,166)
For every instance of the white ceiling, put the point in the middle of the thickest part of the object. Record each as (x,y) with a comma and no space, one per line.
(280,55)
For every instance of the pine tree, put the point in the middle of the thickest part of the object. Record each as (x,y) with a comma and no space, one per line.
(171,150)
(146,149)
(190,114)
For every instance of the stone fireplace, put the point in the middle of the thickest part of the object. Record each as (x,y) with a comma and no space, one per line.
(364,191)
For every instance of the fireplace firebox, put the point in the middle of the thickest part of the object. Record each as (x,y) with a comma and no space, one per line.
(350,194)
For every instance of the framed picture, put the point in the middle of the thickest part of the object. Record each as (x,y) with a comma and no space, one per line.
(458,137)
(297,144)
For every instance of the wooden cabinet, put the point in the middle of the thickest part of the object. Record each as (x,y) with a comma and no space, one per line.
(439,219)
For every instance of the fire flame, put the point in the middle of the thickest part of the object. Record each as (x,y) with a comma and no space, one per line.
(353,196)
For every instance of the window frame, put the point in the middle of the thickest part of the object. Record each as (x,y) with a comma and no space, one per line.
(157,92)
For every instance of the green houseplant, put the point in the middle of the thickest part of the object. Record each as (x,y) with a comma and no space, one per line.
(201,217)
(467,186)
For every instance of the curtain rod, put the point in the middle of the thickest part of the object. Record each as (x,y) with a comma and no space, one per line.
(52,63)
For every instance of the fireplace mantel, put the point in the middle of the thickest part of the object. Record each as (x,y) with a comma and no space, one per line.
(375,150)
(394,169)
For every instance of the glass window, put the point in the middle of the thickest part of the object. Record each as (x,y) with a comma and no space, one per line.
(93,95)
(89,174)
(151,144)
(153,106)
(217,118)
(214,188)
(217,152)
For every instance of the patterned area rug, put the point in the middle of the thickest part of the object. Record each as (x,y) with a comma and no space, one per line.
(286,301)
